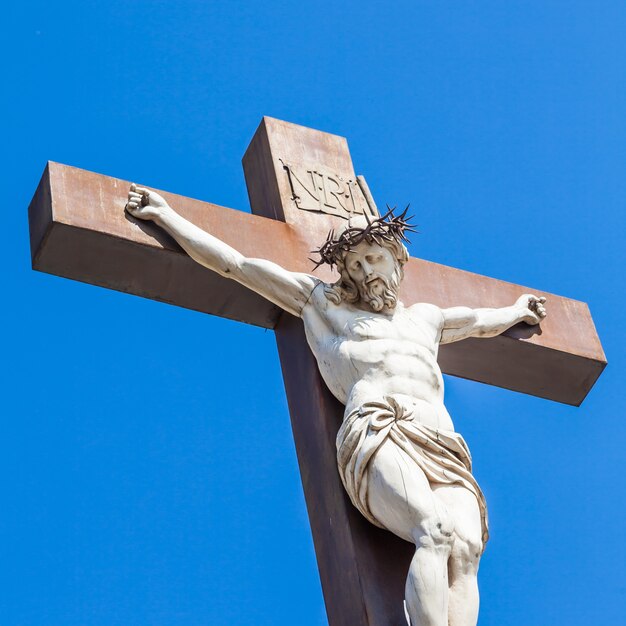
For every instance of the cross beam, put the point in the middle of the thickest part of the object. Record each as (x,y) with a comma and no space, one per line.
(298,183)
(79,231)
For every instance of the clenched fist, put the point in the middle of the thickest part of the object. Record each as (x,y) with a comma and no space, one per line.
(533,308)
(144,204)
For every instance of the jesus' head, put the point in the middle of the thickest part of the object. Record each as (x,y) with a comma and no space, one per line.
(370,260)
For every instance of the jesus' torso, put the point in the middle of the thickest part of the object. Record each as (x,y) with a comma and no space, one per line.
(364,356)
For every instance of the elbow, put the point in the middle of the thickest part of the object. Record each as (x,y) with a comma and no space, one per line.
(228,271)
(230,266)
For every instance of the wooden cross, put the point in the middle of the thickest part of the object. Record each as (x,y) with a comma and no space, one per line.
(301,183)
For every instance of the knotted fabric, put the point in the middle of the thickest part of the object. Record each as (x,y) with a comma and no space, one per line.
(442,455)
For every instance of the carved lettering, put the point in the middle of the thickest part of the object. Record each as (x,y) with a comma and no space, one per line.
(314,189)
(302,192)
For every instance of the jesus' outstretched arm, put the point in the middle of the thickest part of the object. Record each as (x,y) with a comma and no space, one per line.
(462,322)
(288,290)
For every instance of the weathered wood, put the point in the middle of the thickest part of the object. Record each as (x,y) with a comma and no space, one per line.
(79,231)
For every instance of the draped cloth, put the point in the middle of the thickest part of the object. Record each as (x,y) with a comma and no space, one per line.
(442,455)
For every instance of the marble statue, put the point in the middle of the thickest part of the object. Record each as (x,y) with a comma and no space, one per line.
(400,459)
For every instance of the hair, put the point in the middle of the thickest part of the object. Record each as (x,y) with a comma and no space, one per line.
(378,230)
(346,290)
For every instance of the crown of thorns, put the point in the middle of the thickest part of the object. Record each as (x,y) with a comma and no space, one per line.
(389,227)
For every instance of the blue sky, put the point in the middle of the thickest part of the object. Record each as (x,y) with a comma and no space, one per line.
(149,474)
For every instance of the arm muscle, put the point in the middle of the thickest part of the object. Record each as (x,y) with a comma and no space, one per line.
(463,322)
(288,290)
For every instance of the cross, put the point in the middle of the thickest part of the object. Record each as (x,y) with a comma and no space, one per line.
(301,184)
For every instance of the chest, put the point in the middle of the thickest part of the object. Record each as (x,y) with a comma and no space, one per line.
(401,327)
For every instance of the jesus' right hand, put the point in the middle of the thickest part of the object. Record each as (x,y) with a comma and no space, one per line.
(145,204)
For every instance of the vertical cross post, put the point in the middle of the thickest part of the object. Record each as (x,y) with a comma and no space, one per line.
(362,568)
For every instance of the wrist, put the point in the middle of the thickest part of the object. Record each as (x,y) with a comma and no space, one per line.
(521,313)
(163,215)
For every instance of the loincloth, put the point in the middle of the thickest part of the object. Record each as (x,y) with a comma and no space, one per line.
(443,456)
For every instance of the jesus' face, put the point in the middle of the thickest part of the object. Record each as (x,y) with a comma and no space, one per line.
(376,273)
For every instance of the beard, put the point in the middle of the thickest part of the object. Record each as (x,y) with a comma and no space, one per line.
(381,291)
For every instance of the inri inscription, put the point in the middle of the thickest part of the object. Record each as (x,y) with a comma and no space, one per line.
(316,189)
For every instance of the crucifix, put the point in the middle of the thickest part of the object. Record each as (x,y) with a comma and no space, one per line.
(301,185)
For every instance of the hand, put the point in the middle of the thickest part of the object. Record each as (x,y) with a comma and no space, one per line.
(144,204)
(533,309)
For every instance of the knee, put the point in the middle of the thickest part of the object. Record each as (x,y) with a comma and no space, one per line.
(466,554)
(437,531)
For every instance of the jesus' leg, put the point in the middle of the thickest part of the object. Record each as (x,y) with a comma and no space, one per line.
(400,497)
(465,554)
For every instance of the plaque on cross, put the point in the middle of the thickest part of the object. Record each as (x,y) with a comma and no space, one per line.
(301,185)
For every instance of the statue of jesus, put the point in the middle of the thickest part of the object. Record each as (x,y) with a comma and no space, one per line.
(401,461)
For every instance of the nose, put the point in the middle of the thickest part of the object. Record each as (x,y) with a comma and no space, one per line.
(367,268)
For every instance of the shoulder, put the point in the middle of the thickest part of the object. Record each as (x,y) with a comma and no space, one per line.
(318,298)
(427,312)
(308,282)
(326,301)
